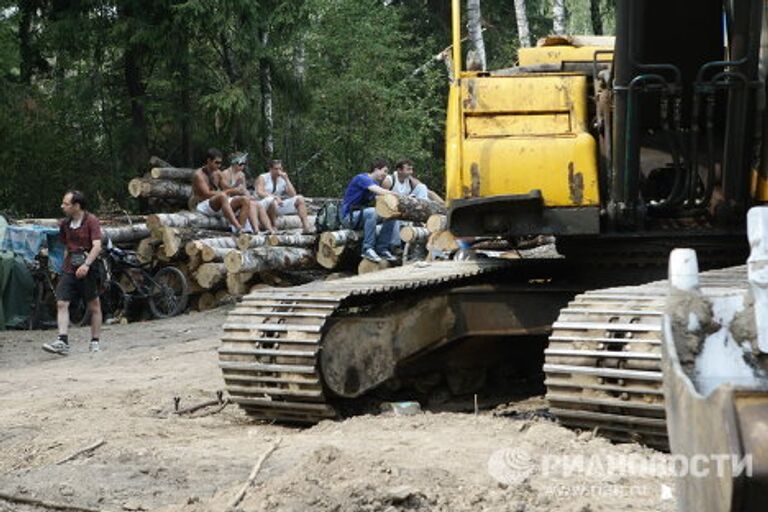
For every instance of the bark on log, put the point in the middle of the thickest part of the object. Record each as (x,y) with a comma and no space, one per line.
(392,206)
(339,249)
(215,254)
(176,239)
(209,275)
(125,234)
(172,173)
(146,249)
(247,241)
(414,234)
(340,238)
(267,258)
(286,222)
(185,220)
(194,247)
(293,240)
(240,284)
(367,266)
(156,161)
(165,189)
(437,222)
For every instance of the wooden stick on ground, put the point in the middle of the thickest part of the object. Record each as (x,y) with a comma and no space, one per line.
(85,450)
(252,477)
(45,504)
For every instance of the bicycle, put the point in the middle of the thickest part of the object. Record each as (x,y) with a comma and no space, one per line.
(42,312)
(165,289)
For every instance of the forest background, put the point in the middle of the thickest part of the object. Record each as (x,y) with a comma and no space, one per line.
(91,88)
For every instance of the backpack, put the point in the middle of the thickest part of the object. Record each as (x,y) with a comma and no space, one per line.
(329,217)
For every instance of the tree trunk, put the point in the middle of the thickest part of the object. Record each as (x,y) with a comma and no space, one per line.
(293,240)
(156,161)
(392,206)
(209,275)
(172,173)
(138,148)
(368,266)
(414,234)
(523,30)
(442,242)
(437,223)
(124,234)
(474,24)
(185,220)
(596,16)
(558,17)
(271,258)
(247,241)
(268,142)
(340,238)
(27,10)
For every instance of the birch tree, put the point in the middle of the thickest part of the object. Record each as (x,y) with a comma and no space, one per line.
(558,17)
(523,31)
(268,122)
(476,35)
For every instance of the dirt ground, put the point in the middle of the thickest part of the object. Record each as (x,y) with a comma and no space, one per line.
(53,406)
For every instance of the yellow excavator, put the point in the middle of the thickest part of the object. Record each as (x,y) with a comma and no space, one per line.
(622,149)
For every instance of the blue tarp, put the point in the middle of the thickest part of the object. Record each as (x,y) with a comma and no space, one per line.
(26,241)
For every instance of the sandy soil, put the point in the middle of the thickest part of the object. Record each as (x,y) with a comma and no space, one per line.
(53,406)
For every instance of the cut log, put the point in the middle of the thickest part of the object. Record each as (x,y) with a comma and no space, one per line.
(240,284)
(414,234)
(156,161)
(215,254)
(391,206)
(268,258)
(340,238)
(367,266)
(437,223)
(172,173)
(206,301)
(286,222)
(209,275)
(165,189)
(185,220)
(443,242)
(134,186)
(176,239)
(247,241)
(146,249)
(293,240)
(125,234)
(193,247)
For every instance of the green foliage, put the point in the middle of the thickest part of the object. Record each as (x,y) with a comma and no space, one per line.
(90,89)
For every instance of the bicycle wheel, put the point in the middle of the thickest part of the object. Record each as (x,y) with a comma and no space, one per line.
(168,293)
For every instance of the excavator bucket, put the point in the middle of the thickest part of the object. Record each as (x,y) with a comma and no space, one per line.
(715,368)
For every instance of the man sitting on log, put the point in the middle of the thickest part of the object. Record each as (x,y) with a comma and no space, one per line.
(278,195)
(403,182)
(355,212)
(211,201)
(232,182)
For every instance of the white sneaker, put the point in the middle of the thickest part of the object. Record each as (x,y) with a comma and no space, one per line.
(57,347)
(371,255)
(94,347)
(387,255)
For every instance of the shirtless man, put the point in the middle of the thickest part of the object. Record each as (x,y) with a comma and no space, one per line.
(278,195)
(231,181)
(211,201)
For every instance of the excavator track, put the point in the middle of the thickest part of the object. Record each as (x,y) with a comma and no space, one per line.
(603,362)
(270,351)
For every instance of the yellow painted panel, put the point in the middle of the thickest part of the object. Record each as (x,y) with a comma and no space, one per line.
(453,137)
(540,93)
(559,54)
(518,124)
(564,169)
(759,187)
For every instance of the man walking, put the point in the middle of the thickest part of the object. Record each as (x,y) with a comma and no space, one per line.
(80,232)
(355,211)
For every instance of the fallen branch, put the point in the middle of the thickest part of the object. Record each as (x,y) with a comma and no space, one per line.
(45,504)
(85,450)
(252,477)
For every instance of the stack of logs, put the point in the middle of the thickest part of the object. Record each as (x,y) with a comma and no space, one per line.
(219,265)
(164,186)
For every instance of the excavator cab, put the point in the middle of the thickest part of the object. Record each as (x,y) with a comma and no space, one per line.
(591,136)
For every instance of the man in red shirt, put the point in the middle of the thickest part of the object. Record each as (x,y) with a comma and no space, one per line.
(80,233)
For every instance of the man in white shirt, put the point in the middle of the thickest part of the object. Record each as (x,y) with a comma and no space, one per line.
(278,195)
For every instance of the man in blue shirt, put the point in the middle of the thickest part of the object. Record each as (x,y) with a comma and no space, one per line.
(356,213)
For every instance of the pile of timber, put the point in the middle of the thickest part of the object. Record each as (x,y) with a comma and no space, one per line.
(164,186)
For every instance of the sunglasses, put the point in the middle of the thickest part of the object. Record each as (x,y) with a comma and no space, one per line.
(241,164)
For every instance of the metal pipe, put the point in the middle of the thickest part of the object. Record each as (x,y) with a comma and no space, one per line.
(456,24)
